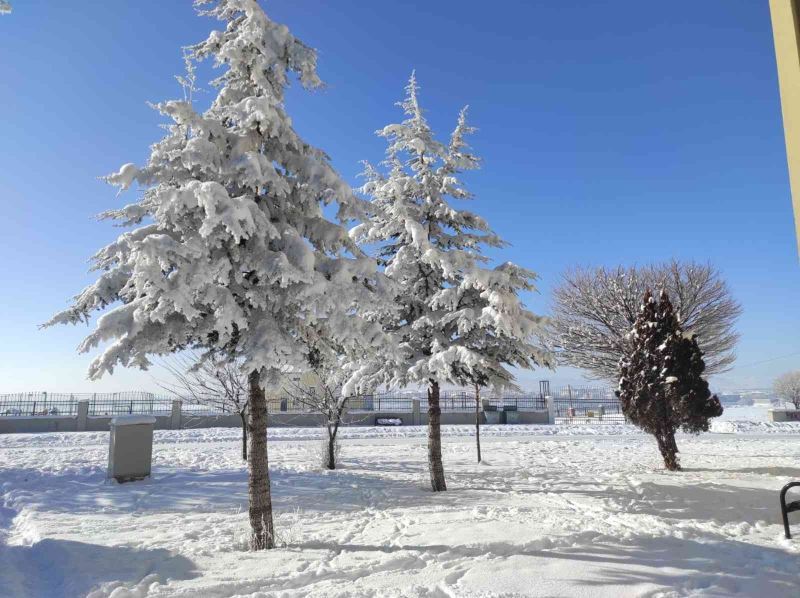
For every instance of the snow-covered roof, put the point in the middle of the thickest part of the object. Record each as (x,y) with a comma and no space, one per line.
(132,420)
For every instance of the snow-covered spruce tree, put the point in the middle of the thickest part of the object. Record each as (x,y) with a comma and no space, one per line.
(230,253)
(661,387)
(448,303)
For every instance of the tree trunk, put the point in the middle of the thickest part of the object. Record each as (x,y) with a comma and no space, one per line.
(243,415)
(330,460)
(262,532)
(668,449)
(478,420)
(332,432)
(435,439)
(331,452)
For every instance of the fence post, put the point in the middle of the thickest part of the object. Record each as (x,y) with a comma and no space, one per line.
(83,414)
(175,419)
(551,410)
(415,417)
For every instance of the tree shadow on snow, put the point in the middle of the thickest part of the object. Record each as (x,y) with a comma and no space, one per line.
(717,566)
(64,568)
(706,502)
(775,471)
(199,491)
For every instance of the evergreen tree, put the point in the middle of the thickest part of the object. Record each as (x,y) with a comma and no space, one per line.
(449,305)
(661,388)
(230,252)
(687,390)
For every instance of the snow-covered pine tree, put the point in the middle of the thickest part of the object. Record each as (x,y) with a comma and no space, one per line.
(230,252)
(449,304)
(661,387)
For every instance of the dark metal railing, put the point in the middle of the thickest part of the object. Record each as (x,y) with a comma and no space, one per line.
(571,404)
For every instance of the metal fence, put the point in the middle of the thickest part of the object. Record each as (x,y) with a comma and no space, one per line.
(153,406)
(381,402)
(118,403)
(449,401)
(586,405)
(136,403)
(19,405)
(571,404)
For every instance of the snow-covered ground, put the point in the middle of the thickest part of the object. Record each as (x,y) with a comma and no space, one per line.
(556,511)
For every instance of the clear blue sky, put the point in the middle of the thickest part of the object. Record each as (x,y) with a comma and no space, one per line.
(612,133)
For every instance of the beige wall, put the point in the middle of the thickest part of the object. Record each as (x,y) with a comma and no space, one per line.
(777,415)
(11,425)
(787,52)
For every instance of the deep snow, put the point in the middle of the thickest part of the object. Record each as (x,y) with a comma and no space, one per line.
(556,511)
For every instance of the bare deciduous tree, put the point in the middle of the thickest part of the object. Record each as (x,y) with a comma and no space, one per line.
(324,396)
(214,383)
(595,308)
(788,387)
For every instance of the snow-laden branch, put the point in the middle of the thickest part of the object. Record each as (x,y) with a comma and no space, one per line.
(459,321)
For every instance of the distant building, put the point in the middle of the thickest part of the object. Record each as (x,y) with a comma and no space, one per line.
(733,399)
(758,398)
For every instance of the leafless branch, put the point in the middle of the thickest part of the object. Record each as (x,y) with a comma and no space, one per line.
(594,309)
(215,383)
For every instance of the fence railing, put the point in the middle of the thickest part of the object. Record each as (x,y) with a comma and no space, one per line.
(130,407)
(570,404)
(121,403)
(136,403)
(598,410)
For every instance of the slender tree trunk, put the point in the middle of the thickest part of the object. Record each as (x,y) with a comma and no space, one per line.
(435,439)
(478,420)
(668,449)
(330,460)
(262,531)
(243,415)
(331,464)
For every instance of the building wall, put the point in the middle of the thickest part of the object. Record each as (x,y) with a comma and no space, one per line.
(777,415)
(785,30)
(46,423)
